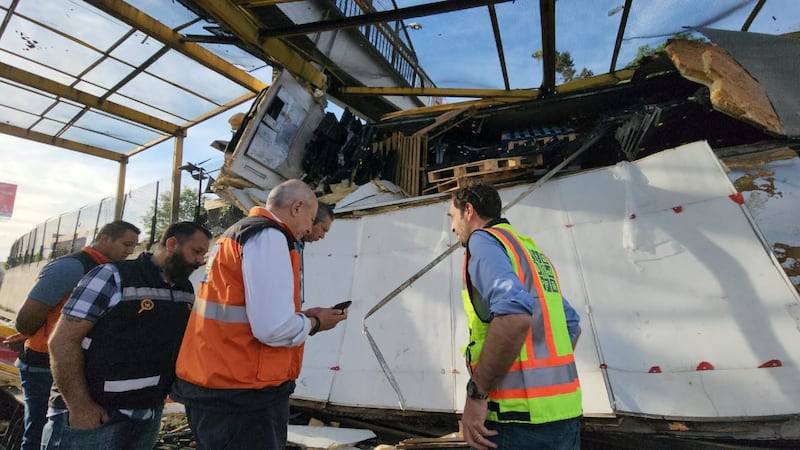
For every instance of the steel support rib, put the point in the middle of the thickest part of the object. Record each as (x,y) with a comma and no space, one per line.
(753,14)
(141,21)
(623,23)
(548,17)
(214,112)
(427,9)
(233,18)
(119,204)
(442,92)
(177,161)
(499,42)
(60,142)
(572,86)
(60,90)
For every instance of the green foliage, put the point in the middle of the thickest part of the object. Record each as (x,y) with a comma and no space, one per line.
(186,209)
(219,219)
(565,66)
(645,50)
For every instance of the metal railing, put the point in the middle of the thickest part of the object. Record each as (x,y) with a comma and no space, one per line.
(386,40)
(147,207)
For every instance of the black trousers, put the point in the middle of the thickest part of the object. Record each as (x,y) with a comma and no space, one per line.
(255,429)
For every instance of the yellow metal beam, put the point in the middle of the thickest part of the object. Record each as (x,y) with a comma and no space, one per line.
(119,203)
(519,94)
(60,90)
(608,79)
(240,23)
(258,3)
(442,92)
(141,21)
(177,160)
(427,110)
(59,142)
(218,110)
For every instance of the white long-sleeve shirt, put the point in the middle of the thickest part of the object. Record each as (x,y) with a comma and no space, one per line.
(269,291)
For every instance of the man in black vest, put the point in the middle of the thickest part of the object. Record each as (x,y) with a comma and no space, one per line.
(40,311)
(114,348)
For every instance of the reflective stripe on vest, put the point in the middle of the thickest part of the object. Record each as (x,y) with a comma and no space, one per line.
(141,294)
(133,384)
(222,313)
(542,384)
(219,350)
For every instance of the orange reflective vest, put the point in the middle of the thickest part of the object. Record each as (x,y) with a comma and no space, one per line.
(219,350)
(90,258)
(542,383)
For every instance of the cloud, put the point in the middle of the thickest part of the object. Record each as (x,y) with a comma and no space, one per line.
(53,181)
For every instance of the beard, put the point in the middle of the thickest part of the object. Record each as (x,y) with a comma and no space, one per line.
(177,268)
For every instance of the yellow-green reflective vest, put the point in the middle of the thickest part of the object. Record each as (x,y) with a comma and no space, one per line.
(542,384)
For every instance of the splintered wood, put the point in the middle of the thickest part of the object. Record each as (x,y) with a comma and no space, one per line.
(733,90)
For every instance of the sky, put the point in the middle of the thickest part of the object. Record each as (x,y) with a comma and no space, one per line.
(456,50)
(51,181)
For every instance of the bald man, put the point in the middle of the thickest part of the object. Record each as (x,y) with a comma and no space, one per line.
(243,346)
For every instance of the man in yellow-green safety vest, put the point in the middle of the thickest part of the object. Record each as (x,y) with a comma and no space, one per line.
(524,391)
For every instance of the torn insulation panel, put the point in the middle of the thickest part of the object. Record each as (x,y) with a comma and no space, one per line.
(733,90)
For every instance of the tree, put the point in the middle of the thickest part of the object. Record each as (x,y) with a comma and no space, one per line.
(645,51)
(565,66)
(186,207)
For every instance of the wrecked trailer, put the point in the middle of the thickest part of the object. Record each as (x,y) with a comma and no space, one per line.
(689,318)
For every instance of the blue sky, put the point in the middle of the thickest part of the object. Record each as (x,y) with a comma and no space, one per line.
(456,50)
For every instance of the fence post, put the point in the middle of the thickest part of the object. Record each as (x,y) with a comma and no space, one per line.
(153,220)
(75,233)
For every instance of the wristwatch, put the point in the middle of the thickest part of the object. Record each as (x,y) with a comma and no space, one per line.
(473,392)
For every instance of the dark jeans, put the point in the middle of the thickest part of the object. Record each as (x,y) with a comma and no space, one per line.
(119,433)
(561,435)
(252,429)
(36,383)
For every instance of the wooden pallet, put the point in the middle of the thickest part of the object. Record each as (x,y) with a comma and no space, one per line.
(411,153)
(495,177)
(484,167)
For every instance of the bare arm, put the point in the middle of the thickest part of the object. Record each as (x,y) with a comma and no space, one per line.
(502,346)
(31,316)
(66,360)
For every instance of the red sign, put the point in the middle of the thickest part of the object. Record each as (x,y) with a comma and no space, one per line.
(8,193)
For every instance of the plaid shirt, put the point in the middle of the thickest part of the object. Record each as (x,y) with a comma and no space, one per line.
(98,292)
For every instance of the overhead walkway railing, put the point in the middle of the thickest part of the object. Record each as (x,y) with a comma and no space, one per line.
(386,40)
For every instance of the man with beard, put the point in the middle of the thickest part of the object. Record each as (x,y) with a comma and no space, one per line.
(113,350)
(40,311)
(322,224)
(523,391)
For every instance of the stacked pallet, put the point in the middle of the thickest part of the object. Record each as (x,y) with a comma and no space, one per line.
(489,170)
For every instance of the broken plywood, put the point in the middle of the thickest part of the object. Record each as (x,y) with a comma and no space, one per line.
(320,437)
(733,90)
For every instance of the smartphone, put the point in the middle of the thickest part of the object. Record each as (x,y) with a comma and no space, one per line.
(343,305)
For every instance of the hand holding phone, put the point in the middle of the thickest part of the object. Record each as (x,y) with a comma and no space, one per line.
(343,305)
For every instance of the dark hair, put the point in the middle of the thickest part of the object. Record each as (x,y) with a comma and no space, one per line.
(117,229)
(324,210)
(482,196)
(182,231)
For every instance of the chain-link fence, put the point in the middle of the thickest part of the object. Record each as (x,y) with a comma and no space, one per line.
(147,207)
